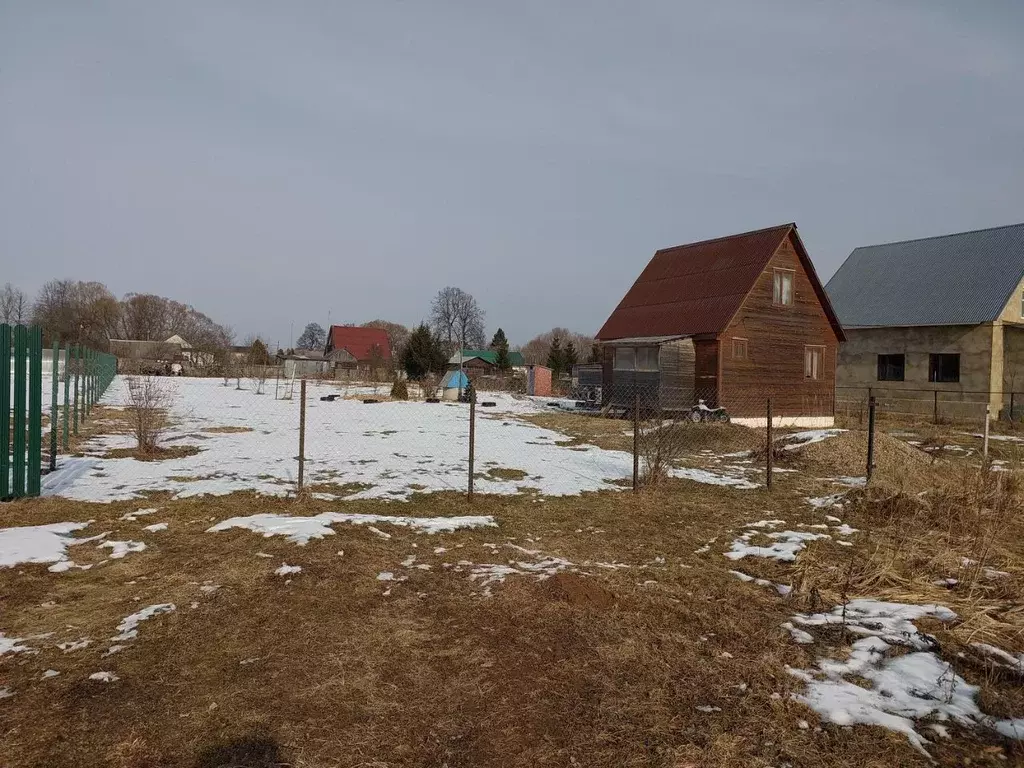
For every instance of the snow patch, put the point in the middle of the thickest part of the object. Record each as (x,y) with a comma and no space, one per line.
(155,527)
(300,530)
(286,569)
(128,629)
(37,543)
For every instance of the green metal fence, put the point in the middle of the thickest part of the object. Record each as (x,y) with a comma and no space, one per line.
(85,375)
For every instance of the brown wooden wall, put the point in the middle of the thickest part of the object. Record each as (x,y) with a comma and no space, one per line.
(776,337)
(706,386)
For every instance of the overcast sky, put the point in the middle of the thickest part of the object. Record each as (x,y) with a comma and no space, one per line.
(273,162)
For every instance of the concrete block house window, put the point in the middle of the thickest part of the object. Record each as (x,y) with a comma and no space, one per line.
(944,368)
(892,367)
(782,288)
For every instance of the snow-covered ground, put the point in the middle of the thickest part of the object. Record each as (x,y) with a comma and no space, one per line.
(390,449)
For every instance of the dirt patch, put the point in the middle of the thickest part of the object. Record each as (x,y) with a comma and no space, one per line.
(577,590)
(226,430)
(503,473)
(159,454)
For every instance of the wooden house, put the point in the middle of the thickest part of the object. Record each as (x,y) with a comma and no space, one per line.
(354,351)
(729,321)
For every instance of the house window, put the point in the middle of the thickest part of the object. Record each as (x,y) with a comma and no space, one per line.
(891,367)
(782,288)
(647,358)
(944,368)
(739,349)
(625,359)
(813,358)
(636,358)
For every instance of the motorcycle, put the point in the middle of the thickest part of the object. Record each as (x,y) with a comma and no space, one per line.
(702,414)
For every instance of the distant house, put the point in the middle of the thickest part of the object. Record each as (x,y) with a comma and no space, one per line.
(728,321)
(939,315)
(483,361)
(137,356)
(354,350)
(303,362)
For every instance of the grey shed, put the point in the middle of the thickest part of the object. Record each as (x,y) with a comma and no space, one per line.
(961,279)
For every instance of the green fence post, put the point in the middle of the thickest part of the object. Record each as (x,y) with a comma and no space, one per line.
(5,411)
(35,409)
(54,389)
(86,374)
(67,394)
(76,358)
(18,461)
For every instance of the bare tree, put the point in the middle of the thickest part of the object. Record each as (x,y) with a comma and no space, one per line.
(147,402)
(13,305)
(398,334)
(457,319)
(535,351)
(313,337)
(84,311)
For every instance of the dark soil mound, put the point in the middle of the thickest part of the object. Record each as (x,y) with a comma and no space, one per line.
(577,590)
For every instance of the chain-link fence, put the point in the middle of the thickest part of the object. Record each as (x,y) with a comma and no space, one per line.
(938,405)
(399,439)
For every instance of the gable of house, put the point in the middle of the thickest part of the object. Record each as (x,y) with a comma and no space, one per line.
(359,342)
(489,356)
(966,278)
(697,289)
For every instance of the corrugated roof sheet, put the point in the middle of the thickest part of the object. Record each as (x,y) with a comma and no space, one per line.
(359,341)
(695,288)
(961,279)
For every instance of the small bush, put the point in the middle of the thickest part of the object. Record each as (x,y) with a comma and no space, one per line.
(399,390)
(146,403)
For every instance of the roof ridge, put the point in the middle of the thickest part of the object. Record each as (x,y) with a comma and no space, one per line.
(725,237)
(940,237)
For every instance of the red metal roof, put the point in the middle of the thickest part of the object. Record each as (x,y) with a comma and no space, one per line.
(359,341)
(696,288)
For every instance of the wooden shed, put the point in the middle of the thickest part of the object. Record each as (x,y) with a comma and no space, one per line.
(729,321)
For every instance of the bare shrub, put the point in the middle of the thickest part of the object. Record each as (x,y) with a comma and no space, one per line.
(399,390)
(146,403)
(257,375)
(661,445)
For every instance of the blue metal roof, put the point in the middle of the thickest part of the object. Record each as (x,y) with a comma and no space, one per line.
(455,380)
(961,279)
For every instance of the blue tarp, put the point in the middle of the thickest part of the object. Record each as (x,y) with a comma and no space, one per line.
(455,380)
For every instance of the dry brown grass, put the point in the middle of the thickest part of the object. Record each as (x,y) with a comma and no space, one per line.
(226,430)
(597,667)
(158,453)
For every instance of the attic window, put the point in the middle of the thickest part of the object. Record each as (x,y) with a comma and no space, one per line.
(782,288)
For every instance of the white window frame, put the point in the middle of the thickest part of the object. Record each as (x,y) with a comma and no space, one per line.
(814,361)
(780,277)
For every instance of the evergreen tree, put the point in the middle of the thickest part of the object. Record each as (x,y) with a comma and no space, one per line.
(569,356)
(503,362)
(499,340)
(595,353)
(421,354)
(258,353)
(556,357)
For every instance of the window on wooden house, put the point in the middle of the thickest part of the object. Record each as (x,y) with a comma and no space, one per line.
(891,367)
(647,358)
(944,368)
(814,358)
(782,287)
(625,359)
(739,349)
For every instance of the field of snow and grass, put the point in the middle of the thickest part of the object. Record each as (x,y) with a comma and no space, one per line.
(706,621)
(244,441)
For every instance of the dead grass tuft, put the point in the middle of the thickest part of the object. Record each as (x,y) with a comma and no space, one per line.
(156,453)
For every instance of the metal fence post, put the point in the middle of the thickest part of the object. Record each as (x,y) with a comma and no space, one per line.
(769,445)
(871,437)
(77,359)
(35,409)
(18,462)
(302,433)
(472,441)
(5,411)
(636,442)
(67,395)
(984,448)
(935,408)
(54,389)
